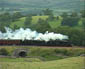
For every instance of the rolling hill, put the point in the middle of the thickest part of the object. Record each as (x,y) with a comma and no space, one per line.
(37,5)
(53,24)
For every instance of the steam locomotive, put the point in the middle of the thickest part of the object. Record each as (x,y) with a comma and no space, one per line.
(63,43)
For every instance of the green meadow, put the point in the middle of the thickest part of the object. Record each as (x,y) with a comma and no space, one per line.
(54,24)
(68,63)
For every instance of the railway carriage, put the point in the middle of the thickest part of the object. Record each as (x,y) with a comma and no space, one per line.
(63,43)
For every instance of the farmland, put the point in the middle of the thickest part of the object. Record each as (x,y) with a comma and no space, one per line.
(29,6)
(54,24)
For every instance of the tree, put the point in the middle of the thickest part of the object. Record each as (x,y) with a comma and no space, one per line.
(51,18)
(70,21)
(57,18)
(16,16)
(83,23)
(28,21)
(63,30)
(3,51)
(6,17)
(5,21)
(2,27)
(64,15)
(76,36)
(15,27)
(42,26)
(40,20)
(74,14)
(83,13)
(48,12)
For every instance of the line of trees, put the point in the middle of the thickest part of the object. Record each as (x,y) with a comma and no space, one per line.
(6,19)
(76,36)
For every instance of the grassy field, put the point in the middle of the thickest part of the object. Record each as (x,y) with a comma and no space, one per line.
(20,22)
(44,58)
(53,24)
(36,18)
(69,63)
(7,59)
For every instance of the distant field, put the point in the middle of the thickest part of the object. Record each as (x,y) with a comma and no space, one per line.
(20,22)
(36,18)
(69,63)
(53,24)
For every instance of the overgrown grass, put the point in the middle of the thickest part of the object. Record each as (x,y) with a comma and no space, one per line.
(47,53)
(44,58)
(20,59)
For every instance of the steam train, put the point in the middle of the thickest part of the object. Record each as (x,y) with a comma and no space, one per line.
(62,43)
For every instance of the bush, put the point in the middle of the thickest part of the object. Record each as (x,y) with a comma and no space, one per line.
(61,51)
(70,21)
(64,52)
(69,52)
(3,51)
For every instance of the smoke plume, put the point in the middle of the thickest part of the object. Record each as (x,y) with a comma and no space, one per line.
(28,34)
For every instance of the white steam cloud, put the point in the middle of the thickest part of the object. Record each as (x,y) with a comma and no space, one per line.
(28,34)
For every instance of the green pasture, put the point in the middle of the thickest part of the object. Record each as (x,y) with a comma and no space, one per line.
(69,63)
(54,24)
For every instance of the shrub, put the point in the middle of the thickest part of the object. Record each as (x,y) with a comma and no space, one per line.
(70,52)
(65,52)
(3,51)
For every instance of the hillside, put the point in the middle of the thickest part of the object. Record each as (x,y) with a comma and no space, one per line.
(37,5)
(69,63)
(53,24)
